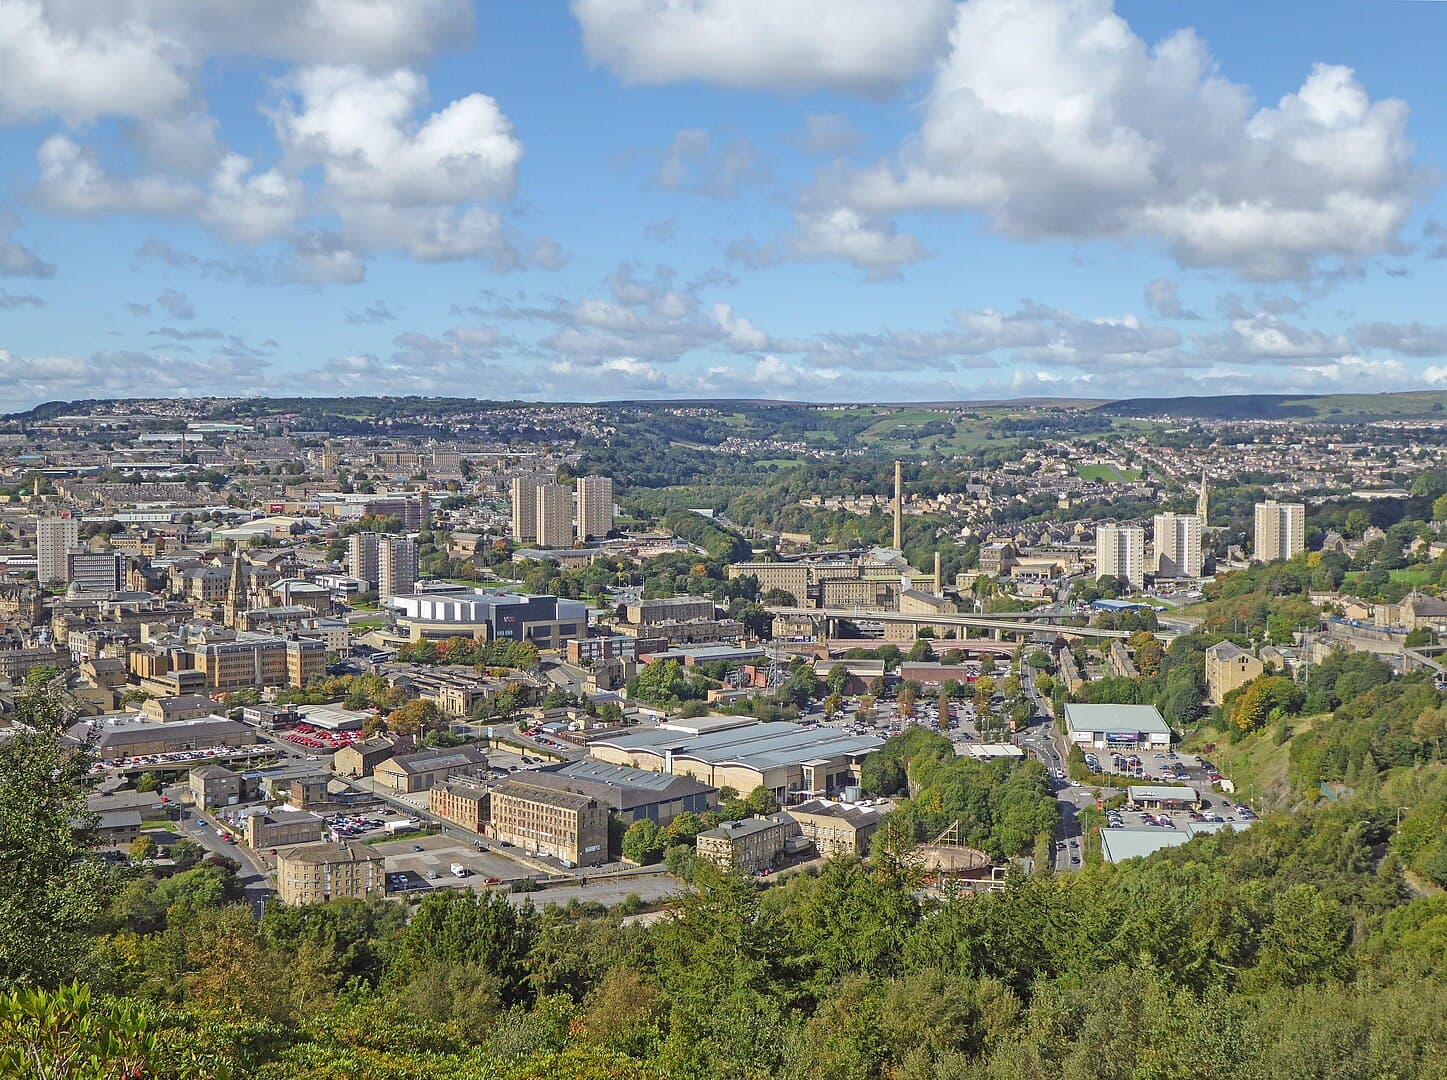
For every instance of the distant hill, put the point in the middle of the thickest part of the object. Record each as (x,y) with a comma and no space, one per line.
(1334,408)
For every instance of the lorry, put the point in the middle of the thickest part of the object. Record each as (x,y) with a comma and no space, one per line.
(458,870)
(402,825)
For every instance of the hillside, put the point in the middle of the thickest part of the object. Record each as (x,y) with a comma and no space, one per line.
(1333,408)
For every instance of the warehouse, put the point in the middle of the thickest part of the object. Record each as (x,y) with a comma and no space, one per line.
(1117,727)
(631,794)
(786,758)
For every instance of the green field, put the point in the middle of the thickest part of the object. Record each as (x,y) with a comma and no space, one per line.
(1107,474)
(1415,576)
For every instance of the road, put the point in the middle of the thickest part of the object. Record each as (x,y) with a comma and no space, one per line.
(201,827)
(1042,739)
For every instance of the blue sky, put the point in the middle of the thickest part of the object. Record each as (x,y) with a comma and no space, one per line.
(854,200)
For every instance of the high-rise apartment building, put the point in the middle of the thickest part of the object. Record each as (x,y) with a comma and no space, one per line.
(525,507)
(396,567)
(1178,546)
(363,555)
(595,506)
(1280,531)
(555,516)
(54,537)
(1120,551)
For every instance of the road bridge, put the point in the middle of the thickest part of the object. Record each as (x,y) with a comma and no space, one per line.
(1011,623)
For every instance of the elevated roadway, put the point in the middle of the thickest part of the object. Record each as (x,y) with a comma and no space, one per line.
(1012,623)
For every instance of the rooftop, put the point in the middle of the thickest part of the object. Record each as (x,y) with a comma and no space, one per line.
(759,746)
(1138,718)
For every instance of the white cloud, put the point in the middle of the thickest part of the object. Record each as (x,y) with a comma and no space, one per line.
(842,232)
(868,46)
(1056,120)
(394,182)
(84,59)
(118,373)
(240,204)
(1267,337)
(741,334)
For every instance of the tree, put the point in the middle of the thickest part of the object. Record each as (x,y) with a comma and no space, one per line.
(1439,508)
(142,849)
(643,842)
(906,700)
(50,890)
(984,693)
(415,716)
(660,682)
(832,704)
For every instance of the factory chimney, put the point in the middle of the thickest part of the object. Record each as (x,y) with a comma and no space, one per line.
(898,507)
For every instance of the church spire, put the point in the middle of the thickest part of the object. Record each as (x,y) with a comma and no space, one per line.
(1202,503)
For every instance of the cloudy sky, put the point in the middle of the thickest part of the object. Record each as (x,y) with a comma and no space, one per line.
(855,200)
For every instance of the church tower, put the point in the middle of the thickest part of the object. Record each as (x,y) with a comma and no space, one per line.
(235,594)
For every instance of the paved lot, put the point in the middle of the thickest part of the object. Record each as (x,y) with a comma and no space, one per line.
(606,891)
(439,853)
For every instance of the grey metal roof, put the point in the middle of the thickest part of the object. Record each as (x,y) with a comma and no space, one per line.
(1116,718)
(1117,845)
(759,746)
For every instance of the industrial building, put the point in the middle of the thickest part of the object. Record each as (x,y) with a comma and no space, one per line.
(567,825)
(785,758)
(631,794)
(748,846)
(422,771)
(316,873)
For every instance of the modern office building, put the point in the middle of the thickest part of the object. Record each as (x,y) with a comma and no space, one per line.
(396,567)
(253,661)
(555,515)
(1120,551)
(96,571)
(1178,546)
(595,507)
(54,537)
(1280,531)
(546,621)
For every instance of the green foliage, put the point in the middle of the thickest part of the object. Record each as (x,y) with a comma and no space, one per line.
(50,892)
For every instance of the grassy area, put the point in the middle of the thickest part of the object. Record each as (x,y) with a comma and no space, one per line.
(1256,763)
(1107,474)
(364,625)
(1415,576)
